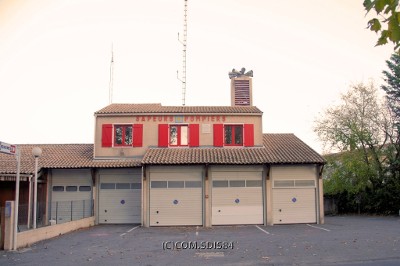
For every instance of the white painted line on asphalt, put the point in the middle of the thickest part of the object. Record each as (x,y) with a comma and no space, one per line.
(318,227)
(262,230)
(130,230)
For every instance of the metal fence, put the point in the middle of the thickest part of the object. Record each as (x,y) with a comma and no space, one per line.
(66,211)
(25,222)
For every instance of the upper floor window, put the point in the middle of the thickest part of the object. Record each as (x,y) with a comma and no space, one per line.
(233,135)
(123,135)
(178,135)
(126,135)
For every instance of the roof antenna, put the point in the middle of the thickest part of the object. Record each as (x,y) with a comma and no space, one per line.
(110,85)
(183,42)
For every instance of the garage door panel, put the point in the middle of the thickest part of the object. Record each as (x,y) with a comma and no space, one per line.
(176,206)
(64,203)
(119,206)
(228,196)
(237,201)
(295,205)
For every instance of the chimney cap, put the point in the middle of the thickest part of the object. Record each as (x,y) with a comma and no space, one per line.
(235,74)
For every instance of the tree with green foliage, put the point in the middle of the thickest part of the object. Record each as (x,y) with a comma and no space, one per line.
(358,128)
(389,16)
(392,90)
(392,86)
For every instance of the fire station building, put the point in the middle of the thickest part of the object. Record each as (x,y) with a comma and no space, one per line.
(188,165)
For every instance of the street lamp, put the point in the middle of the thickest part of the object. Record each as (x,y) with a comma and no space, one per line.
(36,152)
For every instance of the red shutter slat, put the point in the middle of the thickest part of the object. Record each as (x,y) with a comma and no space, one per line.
(106,135)
(194,135)
(163,135)
(248,135)
(218,135)
(137,135)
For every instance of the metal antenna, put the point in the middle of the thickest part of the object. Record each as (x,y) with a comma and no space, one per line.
(184,42)
(110,85)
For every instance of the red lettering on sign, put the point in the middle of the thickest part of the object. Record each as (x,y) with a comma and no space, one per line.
(171,119)
(218,118)
(197,118)
(143,119)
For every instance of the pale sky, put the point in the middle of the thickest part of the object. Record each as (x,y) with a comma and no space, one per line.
(55,60)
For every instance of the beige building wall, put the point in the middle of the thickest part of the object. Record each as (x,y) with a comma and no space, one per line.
(150,130)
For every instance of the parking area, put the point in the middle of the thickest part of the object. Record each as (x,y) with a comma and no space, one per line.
(341,240)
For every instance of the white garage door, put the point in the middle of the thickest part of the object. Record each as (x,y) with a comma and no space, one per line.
(176,199)
(71,196)
(120,199)
(237,198)
(294,201)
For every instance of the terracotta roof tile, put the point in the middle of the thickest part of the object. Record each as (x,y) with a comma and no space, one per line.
(278,149)
(59,156)
(119,108)
(287,148)
(204,155)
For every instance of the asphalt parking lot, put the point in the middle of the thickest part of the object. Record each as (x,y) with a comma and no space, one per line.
(342,240)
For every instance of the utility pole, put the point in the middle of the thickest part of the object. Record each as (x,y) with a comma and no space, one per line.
(184,45)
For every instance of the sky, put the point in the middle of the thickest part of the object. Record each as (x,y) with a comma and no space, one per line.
(55,60)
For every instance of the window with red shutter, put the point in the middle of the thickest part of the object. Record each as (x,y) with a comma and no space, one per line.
(123,135)
(137,135)
(163,135)
(233,135)
(194,135)
(106,135)
(178,135)
(218,132)
(248,135)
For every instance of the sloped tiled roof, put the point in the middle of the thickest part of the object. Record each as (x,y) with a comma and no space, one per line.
(287,148)
(120,108)
(59,156)
(204,155)
(278,149)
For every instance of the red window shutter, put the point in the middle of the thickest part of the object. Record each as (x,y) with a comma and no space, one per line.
(163,135)
(106,135)
(248,135)
(137,135)
(194,135)
(218,135)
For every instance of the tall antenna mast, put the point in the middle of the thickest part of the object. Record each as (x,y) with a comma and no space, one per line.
(110,85)
(184,42)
